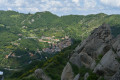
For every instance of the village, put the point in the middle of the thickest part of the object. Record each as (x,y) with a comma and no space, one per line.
(55,45)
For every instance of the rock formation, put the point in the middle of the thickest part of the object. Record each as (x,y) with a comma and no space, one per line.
(39,73)
(77,77)
(86,76)
(108,64)
(116,76)
(67,73)
(99,43)
(100,52)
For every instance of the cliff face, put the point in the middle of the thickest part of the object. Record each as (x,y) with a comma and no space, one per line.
(100,53)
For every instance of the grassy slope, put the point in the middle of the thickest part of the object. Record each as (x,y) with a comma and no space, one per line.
(45,24)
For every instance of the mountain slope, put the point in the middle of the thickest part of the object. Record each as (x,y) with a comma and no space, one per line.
(32,33)
(99,54)
(95,58)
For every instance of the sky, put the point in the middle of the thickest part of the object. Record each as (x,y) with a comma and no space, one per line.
(62,7)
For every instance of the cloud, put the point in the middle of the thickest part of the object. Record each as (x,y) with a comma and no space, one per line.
(90,3)
(76,1)
(19,3)
(114,3)
(58,6)
(34,9)
(87,5)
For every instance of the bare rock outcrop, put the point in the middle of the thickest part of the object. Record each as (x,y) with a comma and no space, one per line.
(100,53)
(97,43)
(108,64)
(67,73)
(39,73)
(116,76)
(86,76)
(86,60)
(77,77)
(75,59)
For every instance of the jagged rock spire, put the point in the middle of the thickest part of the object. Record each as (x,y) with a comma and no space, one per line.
(97,43)
(100,42)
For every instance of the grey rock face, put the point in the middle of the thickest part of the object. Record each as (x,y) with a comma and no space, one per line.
(75,59)
(77,77)
(97,43)
(100,36)
(116,42)
(86,76)
(116,76)
(86,59)
(39,73)
(115,45)
(108,64)
(118,50)
(103,49)
(67,73)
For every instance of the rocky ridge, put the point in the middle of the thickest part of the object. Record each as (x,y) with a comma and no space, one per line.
(100,53)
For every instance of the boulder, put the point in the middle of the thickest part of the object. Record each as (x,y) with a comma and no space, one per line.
(39,73)
(77,77)
(75,59)
(82,59)
(67,73)
(86,76)
(86,60)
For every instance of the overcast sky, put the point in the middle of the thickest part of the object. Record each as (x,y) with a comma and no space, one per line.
(63,7)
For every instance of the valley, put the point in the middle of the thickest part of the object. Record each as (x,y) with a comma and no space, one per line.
(42,40)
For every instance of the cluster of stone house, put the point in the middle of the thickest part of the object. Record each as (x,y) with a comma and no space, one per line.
(58,46)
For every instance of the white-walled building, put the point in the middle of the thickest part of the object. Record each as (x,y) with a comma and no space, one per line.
(1,75)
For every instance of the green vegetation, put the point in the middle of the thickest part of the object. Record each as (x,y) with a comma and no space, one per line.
(118,59)
(83,70)
(92,76)
(99,58)
(53,67)
(20,36)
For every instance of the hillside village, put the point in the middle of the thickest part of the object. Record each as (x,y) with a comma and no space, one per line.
(55,45)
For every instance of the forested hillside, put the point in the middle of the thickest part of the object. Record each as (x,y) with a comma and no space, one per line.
(26,37)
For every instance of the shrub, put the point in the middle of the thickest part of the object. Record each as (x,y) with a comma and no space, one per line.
(92,76)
